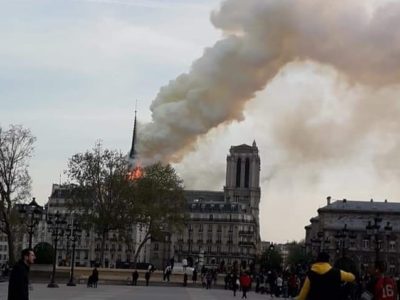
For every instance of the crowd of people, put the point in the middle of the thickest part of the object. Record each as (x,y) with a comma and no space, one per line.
(320,281)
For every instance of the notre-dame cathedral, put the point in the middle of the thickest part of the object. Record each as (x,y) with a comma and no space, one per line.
(223,226)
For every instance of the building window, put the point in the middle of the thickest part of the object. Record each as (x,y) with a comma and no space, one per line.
(155,246)
(366,244)
(211,217)
(238,171)
(392,245)
(201,228)
(247,173)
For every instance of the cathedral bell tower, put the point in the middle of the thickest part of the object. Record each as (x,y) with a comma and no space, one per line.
(243,178)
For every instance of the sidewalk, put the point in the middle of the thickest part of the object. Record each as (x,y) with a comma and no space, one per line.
(108,292)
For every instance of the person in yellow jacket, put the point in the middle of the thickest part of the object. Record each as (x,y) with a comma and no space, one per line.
(323,281)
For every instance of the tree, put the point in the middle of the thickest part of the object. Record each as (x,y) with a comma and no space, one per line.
(44,253)
(271,259)
(16,148)
(99,189)
(157,204)
(297,257)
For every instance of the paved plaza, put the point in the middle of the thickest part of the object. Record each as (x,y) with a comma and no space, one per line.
(117,292)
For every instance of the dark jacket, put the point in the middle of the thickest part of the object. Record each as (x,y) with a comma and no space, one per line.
(323,282)
(19,281)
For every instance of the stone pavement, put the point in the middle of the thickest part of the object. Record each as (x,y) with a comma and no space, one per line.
(117,292)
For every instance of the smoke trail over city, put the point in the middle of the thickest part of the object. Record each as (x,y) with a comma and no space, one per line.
(260,38)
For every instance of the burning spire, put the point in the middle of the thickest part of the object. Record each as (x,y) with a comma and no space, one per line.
(135,169)
(132,153)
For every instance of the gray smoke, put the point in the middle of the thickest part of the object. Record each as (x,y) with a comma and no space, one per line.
(261,37)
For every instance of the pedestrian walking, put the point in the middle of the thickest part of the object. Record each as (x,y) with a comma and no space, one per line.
(167,273)
(18,285)
(245,282)
(323,281)
(185,278)
(235,283)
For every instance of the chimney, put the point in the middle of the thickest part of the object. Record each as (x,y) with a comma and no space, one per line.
(328,200)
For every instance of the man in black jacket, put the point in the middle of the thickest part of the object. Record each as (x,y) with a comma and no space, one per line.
(19,278)
(323,281)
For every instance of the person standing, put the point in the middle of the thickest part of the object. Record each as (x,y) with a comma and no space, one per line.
(384,287)
(135,276)
(323,281)
(194,276)
(18,286)
(245,282)
(95,277)
(147,277)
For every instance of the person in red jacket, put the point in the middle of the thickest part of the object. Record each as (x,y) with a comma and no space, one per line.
(245,282)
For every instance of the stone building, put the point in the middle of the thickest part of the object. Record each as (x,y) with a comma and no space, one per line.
(87,251)
(360,231)
(223,226)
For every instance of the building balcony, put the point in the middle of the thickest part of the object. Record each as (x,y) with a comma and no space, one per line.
(243,232)
(247,244)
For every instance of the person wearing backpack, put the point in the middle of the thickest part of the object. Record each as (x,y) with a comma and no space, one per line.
(323,281)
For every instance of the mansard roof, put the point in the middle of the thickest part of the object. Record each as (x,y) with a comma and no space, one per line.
(373,207)
(204,196)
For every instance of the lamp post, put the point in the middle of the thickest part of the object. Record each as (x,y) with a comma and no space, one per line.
(373,229)
(271,248)
(73,233)
(320,241)
(31,213)
(190,230)
(341,236)
(56,225)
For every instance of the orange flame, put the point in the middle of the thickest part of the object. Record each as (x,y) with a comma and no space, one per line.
(136,173)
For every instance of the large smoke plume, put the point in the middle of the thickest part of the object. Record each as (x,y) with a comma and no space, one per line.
(261,37)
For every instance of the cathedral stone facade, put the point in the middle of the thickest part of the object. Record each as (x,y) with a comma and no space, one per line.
(223,227)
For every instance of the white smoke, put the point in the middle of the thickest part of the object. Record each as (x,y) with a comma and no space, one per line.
(261,37)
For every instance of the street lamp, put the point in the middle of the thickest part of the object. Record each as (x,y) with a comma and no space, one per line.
(341,237)
(320,241)
(73,233)
(190,230)
(373,229)
(56,225)
(32,213)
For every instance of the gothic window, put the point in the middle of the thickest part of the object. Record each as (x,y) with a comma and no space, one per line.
(238,171)
(247,173)
(366,244)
